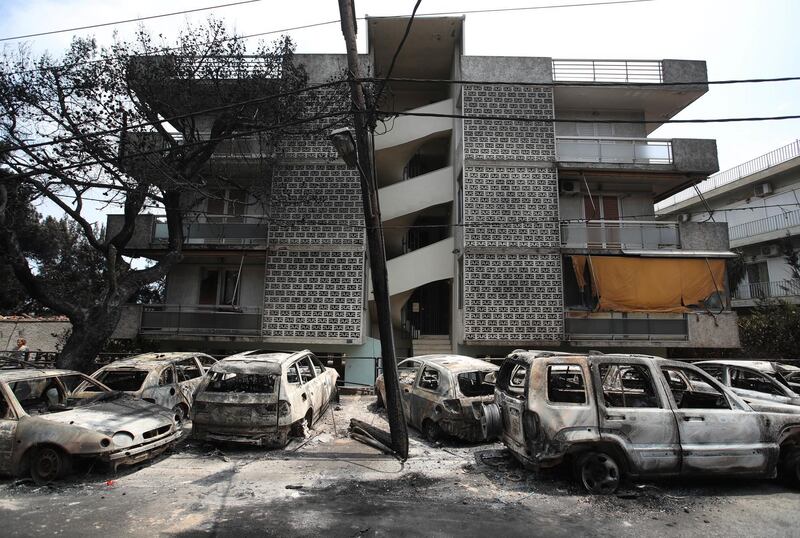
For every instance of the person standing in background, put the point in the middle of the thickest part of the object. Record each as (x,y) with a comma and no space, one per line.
(22,349)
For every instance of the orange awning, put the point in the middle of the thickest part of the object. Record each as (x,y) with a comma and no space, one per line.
(626,284)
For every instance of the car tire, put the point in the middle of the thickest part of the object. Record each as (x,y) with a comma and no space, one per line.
(790,467)
(432,431)
(48,464)
(379,403)
(598,472)
(179,414)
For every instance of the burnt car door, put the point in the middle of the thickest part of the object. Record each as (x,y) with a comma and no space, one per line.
(752,385)
(407,372)
(326,380)
(165,393)
(511,398)
(190,374)
(427,393)
(313,388)
(8,430)
(718,434)
(637,415)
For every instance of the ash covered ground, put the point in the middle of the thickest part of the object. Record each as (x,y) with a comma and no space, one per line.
(329,484)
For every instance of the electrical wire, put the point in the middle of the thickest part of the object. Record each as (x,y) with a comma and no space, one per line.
(532,119)
(136,19)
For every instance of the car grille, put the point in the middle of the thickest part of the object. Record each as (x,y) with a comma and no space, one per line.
(155,433)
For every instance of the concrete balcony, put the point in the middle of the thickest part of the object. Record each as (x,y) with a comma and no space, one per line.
(632,236)
(620,234)
(748,295)
(221,231)
(766,229)
(419,267)
(634,329)
(199,320)
(414,129)
(685,156)
(416,194)
(658,89)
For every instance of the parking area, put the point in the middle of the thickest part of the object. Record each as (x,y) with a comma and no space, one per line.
(328,483)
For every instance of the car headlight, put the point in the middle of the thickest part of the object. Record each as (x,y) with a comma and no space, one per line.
(123,439)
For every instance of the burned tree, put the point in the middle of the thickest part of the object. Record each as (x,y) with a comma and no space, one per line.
(135,125)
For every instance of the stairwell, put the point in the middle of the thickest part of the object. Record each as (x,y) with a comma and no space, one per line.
(432,344)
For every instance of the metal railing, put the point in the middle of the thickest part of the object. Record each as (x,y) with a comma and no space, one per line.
(608,71)
(767,290)
(619,326)
(619,234)
(761,226)
(217,230)
(613,150)
(200,320)
(773,158)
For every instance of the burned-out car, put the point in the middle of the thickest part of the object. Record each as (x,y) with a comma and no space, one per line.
(760,383)
(261,398)
(46,423)
(443,394)
(167,379)
(615,415)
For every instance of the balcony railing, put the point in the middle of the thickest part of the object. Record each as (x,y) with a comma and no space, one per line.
(767,290)
(608,71)
(620,234)
(618,326)
(774,223)
(200,320)
(219,230)
(613,150)
(773,158)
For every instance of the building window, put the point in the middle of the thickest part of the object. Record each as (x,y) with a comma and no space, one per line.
(219,286)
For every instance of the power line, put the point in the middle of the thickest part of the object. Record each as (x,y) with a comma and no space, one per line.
(581,83)
(136,19)
(397,51)
(531,119)
(337,21)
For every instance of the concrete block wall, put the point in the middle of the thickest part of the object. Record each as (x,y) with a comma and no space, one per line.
(314,273)
(512,285)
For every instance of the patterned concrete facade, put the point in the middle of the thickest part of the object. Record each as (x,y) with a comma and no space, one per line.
(512,270)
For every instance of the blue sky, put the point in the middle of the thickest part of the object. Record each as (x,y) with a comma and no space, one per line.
(738,39)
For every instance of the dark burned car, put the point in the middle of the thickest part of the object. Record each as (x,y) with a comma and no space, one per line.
(261,398)
(443,394)
(46,424)
(615,415)
(762,384)
(167,379)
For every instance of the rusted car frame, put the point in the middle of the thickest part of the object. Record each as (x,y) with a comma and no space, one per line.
(46,423)
(760,383)
(261,398)
(610,415)
(443,394)
(166,379)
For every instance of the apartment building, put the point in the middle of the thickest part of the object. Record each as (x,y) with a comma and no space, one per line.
(500,232)
(758,201)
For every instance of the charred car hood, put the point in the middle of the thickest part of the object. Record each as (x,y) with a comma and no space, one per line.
(125,413)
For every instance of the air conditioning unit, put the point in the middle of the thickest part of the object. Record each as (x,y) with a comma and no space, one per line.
(771,251)
(684,217)
(762,189)
(570,187)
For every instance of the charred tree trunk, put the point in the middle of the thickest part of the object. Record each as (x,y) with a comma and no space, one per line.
(87,339)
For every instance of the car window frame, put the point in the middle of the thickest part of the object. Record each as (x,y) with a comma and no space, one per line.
(660,403)
(753,372)
(548,366)
(10,403)
(178,370)
(299,377)
(438,389)
(733,405)
(300,372)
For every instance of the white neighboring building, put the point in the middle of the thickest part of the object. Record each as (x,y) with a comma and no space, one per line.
(760,201)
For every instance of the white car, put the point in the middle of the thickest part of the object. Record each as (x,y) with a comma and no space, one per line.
(166,379)
(261,398)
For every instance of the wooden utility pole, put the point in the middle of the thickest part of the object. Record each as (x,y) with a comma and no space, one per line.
(377,251)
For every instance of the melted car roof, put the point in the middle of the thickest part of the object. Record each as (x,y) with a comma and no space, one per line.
(151,360)
(22,374)
(456,363)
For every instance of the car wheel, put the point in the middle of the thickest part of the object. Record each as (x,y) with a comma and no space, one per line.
(379,402)
(432,431)
(598,472)
(48,464)
(179,412)
(790,467)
